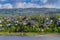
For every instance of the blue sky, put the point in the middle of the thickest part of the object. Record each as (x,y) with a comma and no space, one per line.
(29,4)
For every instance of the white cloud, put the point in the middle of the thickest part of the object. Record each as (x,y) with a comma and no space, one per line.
(20,5)
(0,6)
(26,5)
(44,1)
(31,5)
(48,6)
(7,6)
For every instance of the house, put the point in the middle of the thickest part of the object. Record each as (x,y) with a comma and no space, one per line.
(58,19)
(55,21)
(24,23)
(31,23)
(24,18)
(47,21)
(15,21)
(1,29)
(58,22)
(1,21)
(47,18)
(0,25)
(51,21)
(8,25)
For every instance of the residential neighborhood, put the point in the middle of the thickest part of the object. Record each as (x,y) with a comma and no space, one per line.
(29,24)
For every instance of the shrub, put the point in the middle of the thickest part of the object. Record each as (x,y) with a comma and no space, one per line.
(12,29)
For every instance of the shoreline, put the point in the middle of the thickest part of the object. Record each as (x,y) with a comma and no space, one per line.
(49,35)
(29,34)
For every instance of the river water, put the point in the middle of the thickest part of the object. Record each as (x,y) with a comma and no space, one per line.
(29,38)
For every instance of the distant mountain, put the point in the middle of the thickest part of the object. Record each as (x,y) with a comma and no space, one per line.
(29,11)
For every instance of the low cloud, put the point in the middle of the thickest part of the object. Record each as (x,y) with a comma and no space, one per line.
(31,5)
(48,6)
(6,6)
(0,6)
(26,5)
(23,4)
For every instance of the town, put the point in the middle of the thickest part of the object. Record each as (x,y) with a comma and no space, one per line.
(30,24)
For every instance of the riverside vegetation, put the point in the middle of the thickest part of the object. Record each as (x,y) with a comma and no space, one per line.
(31,24)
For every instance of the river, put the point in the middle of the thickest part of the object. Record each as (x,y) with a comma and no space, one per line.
(29,38)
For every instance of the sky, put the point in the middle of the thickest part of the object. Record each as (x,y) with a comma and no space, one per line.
(9,4)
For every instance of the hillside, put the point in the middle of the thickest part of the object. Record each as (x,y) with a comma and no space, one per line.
(29,11)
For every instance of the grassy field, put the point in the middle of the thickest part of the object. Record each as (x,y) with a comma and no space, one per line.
(26,34)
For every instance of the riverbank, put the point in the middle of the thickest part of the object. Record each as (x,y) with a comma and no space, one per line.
(28,34)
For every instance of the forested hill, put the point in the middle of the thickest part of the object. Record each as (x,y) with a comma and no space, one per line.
(29,11)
